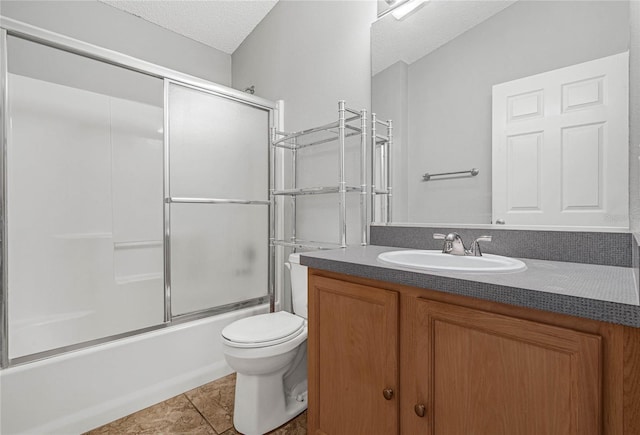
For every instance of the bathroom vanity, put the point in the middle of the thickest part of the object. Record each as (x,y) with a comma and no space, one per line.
(396,351)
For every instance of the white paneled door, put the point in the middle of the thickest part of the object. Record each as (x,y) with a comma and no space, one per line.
(561,146)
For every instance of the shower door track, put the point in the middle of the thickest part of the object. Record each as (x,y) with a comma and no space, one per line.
(15,28)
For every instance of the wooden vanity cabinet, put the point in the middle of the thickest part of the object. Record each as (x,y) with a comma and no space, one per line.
(480,372)
(459,365)
(353,358)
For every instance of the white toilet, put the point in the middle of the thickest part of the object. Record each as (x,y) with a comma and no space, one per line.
(269,354)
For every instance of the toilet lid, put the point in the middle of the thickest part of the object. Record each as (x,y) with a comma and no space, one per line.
(264,328)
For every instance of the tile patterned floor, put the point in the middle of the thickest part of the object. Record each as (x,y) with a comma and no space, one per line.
(206,410)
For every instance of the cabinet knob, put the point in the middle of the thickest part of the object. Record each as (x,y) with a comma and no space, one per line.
(420,410)
(387,393)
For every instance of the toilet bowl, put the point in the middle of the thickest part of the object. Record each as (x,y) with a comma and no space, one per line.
(269,354)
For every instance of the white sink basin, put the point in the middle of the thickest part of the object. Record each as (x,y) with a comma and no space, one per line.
(437,261)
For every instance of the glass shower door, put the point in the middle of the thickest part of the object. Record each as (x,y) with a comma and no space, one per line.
(219,201)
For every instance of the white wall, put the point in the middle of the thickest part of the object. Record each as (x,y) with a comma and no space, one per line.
(106,26)
(309,54)
(312,54)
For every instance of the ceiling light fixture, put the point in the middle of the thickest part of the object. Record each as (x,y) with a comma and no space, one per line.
(404,9)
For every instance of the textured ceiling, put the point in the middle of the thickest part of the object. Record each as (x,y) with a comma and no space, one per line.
(217,23)
(435,24)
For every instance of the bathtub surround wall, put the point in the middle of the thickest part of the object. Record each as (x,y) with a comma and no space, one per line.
(99,266)
(100,24)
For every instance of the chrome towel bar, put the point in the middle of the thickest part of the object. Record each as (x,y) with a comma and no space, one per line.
(472,172)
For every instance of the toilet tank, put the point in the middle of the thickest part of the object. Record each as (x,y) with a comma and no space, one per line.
(298,285)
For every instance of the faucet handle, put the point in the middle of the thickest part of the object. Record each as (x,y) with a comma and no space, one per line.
(483,239)
(475,246)
(438,236)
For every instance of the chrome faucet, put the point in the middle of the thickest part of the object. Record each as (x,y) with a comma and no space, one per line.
(453,244)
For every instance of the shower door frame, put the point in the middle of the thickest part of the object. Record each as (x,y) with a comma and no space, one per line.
(169,199)
(11,27)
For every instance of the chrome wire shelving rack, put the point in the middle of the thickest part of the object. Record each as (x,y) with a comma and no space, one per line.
(350,123)
(381,147)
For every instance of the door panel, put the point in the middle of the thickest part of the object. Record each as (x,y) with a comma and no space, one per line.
(524,180)
(353,357)
(489,374)
(582,152)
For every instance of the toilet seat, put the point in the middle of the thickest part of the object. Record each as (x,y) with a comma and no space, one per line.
(263,330)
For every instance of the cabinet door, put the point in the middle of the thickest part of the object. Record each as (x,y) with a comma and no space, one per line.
(484,373)
(353,358)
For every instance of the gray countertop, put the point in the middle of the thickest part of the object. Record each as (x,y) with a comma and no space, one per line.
(605,293)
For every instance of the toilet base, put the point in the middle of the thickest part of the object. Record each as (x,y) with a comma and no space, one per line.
(258,410)
(271,383)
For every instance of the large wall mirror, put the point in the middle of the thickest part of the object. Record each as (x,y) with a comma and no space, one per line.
(533,96)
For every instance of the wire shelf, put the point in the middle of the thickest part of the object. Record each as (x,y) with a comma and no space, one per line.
(316,136)
(350,123)
(314,190)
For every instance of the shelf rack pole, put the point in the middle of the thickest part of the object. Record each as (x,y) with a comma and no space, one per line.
(363,177)
(272,222)
(294,185)
(373,166)
(383,179)
(389,147)
(342,185)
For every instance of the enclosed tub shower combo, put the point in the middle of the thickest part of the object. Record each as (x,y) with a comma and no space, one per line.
(133,198)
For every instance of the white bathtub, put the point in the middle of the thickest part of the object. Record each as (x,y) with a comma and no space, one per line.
(81,390)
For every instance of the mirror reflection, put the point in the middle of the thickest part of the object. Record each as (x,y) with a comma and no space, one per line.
(527,99)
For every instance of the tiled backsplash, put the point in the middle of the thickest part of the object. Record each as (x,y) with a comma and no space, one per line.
(609,249)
